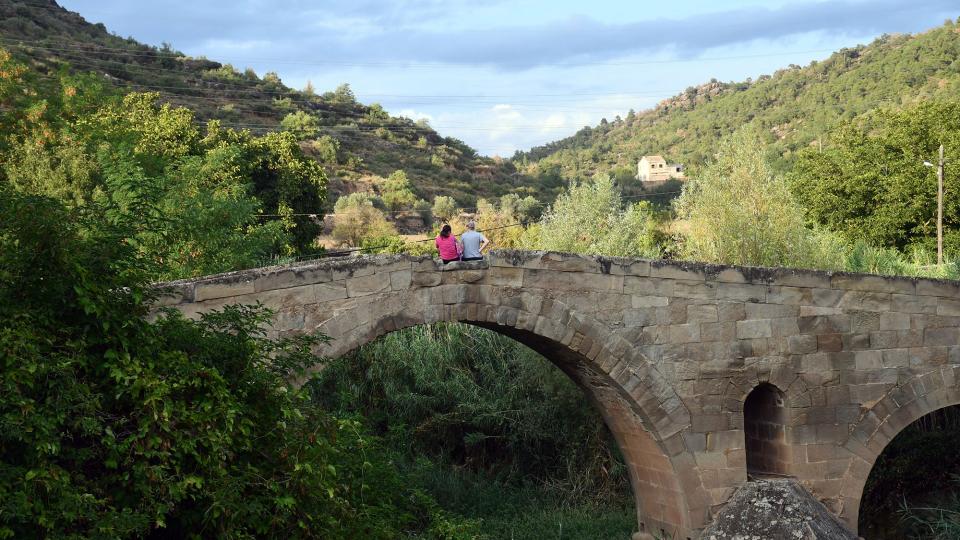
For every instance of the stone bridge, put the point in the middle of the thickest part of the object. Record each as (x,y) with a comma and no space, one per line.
(704,374)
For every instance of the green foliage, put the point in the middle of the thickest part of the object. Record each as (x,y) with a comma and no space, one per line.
(117,427)
(357,219)
(396,192)
(590,218)
(481,401)
(302,125)
(444,208)
(870,183)
(327,150)
(738,211)
(76,143)
(915,476)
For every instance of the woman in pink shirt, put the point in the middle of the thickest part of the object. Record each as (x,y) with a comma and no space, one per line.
(447,245)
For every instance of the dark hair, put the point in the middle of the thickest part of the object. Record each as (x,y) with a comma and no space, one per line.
(445,231)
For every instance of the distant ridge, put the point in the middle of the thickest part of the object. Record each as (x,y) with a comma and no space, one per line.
(795,107)
(371,142)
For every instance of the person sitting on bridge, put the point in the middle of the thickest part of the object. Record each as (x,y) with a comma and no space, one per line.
(473,243)
(447,245)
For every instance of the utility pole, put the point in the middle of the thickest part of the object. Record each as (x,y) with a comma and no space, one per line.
(939,166)
(940,209)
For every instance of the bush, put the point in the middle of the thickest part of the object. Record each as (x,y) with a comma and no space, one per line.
(112,426)
(737,211)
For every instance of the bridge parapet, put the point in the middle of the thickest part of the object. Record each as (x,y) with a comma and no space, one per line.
(668,351)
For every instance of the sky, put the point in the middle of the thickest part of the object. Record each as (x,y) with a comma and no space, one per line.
(504,75)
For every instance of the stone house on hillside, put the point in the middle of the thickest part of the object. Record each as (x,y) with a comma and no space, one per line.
(656,169)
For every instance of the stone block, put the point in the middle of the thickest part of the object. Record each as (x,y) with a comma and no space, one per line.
(941,336)
(730,275)
(793,296)
(646,286)
(669,270)
(785,327)
(702,313)
(505,276)
(826,297)
(292,277)
(426,279)
(883,340)
(638,301)
(400,280)
(931,287)
(906,303)
(829,343)
(365,285)
(743,292)
(866,301)
(751,329)
(802,344)
(731,311)
(894,321)
(948,306)
(881,284)
(770,311)
(802,278)
(694,289)
(824,324)
(211,290)
(684,333)
(720,331)
(815,363)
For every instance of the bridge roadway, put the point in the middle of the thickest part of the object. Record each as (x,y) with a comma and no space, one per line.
(701,372)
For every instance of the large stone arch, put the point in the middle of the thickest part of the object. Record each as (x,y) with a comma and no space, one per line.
(903,405)
(630,394)
(668,349)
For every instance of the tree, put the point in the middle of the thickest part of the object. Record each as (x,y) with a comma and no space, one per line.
(395,191)
(136,427)
(737,211)
(302,125)
(590,218)
(444,208)
(327,149)
(870,183)
(356,218)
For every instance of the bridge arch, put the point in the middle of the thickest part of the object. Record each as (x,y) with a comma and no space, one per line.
(671,349)
(903,405)
(628,391)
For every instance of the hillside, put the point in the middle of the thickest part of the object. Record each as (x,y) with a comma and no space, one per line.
(795,107)
(355,142)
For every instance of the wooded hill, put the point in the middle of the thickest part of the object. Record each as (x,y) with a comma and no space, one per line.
(355,142)
(796,107)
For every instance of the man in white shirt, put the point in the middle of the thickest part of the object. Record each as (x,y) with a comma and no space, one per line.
(473,243)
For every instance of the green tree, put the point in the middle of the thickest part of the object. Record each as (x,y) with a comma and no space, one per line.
(444,207)
(303,125)
(356,218)
(395,191)
(738,211)
(590,218)
(114,426)
(870,183)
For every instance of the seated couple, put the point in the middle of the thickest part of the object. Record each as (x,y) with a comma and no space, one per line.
(469,248)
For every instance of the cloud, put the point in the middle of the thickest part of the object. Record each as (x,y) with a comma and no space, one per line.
(405,31)
(583,39)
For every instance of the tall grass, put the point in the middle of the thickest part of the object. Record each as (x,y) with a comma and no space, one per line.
(482,402)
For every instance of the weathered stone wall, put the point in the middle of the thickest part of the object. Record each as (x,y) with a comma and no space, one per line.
(667,351)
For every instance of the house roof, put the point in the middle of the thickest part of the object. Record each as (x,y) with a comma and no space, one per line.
(651,159)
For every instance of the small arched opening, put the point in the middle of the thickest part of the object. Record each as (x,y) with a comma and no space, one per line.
(765,432)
